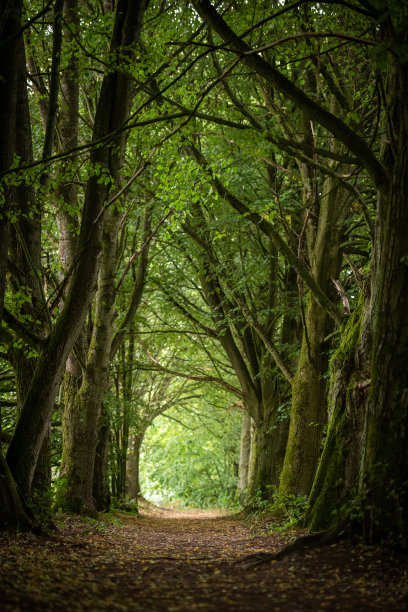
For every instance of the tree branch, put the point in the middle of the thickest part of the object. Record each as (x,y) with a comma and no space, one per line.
(198,378)
(22,330)
(333,124)
(268,229)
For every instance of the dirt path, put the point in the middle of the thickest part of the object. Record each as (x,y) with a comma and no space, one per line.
(170,561)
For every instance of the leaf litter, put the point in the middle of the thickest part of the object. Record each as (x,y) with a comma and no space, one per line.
(191,560)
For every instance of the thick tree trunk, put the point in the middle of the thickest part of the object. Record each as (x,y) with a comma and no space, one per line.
(309,406)
(386,459)
(338,477)
(269,443)
(270,433)
(13,513)
(371,403)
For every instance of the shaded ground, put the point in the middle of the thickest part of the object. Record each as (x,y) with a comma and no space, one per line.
(166,560)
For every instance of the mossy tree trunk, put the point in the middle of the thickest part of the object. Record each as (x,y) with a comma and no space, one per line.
(86,430)
(386,458)
(82,419)
(370,380)
(309,394)
(264,448)
(338,477)
(270,436)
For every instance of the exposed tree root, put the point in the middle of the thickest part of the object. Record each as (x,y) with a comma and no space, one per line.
(322,538)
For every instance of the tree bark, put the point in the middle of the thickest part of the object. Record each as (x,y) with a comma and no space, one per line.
(338,477)
(133,485)
(386,459)
(245,451)
(101,493)
(270,438)
(26,254)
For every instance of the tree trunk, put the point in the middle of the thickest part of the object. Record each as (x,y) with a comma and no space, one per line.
(386,459)
(126,358)
(245,451)
(133,487)
(101,492)
(26,254)
(81,428)
(268,451)
(339,472)
(122,460)
(13,514)
(371,403)
(10,16)
(79,459)
(67,218)
(309,404)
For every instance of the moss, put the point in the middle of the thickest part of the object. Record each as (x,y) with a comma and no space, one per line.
(326,492)
(335,479)
(350,338)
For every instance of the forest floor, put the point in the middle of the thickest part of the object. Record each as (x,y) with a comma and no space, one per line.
(166,560)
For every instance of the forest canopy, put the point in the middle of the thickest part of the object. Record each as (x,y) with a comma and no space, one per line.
(203,223)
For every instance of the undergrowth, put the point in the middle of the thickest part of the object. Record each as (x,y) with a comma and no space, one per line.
(278,513)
